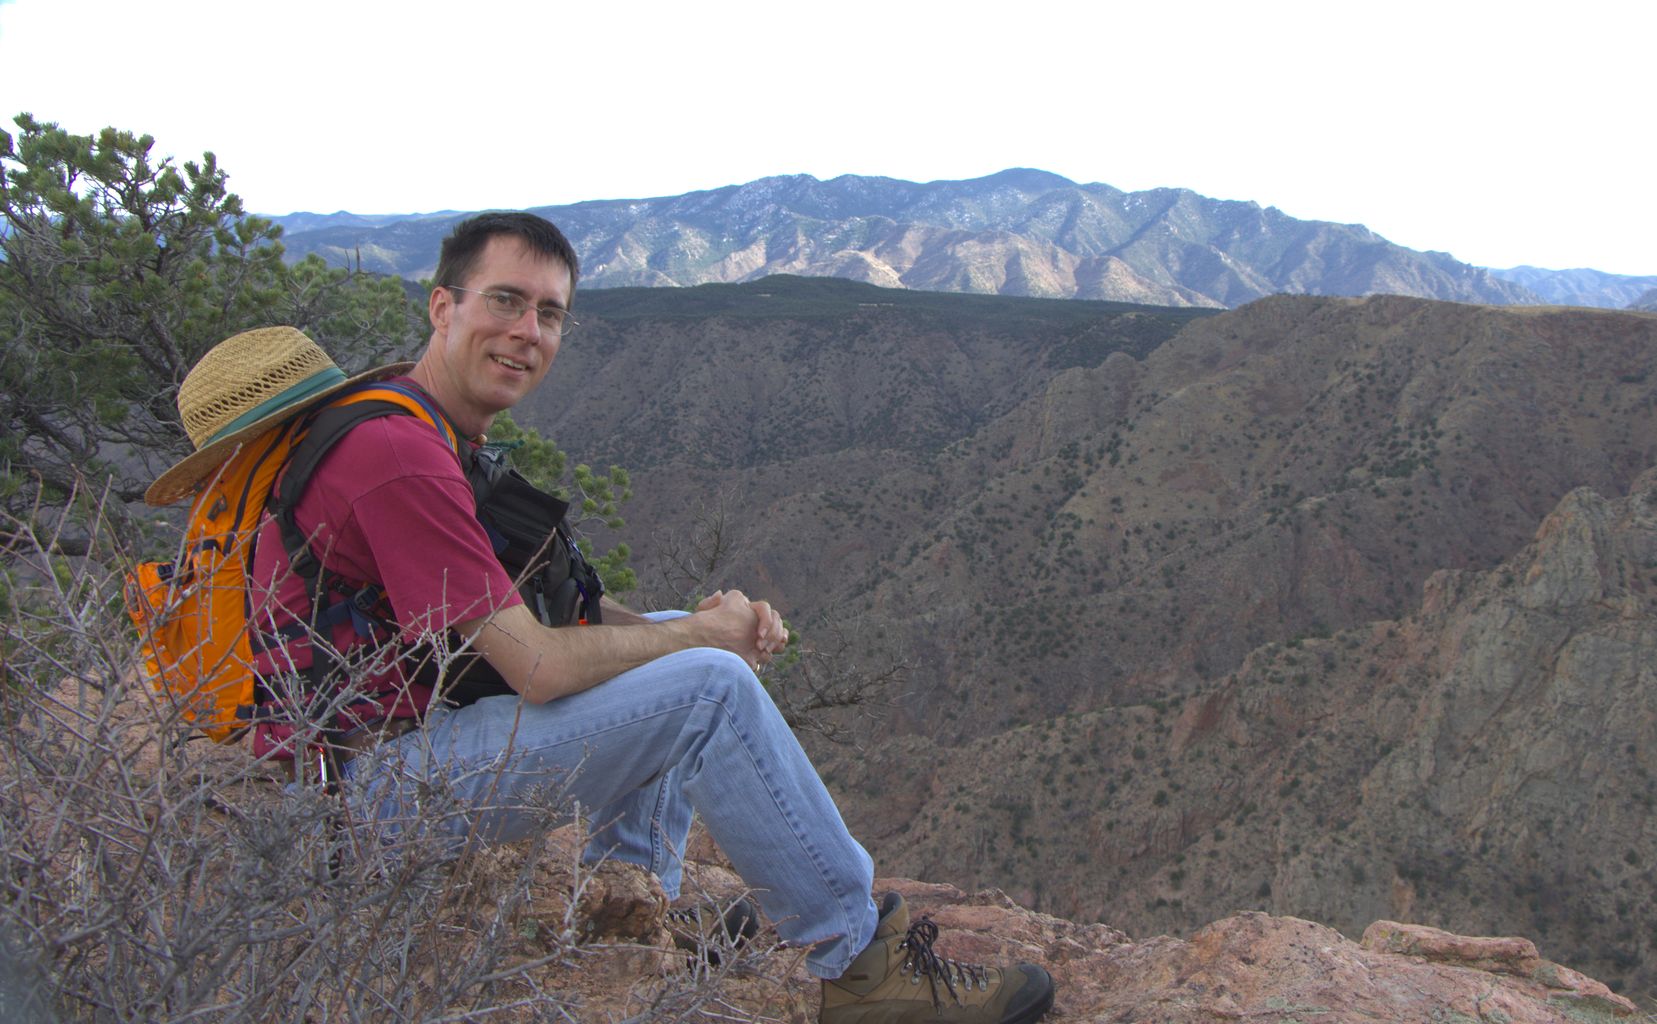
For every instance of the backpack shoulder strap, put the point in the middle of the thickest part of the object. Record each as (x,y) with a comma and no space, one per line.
(324,429)
(410,400)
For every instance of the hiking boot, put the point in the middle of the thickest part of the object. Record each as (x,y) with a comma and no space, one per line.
(899,979)
(703,929)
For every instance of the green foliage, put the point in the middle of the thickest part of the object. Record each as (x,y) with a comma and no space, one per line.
(593,497)
(119,270)
(540,461)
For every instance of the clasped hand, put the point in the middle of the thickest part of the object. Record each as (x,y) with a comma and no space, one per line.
(751,630)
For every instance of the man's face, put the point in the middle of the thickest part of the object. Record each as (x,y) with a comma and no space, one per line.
(479,363)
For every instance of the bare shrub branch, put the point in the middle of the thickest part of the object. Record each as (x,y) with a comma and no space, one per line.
(839,677)
(146,875)
(693,562)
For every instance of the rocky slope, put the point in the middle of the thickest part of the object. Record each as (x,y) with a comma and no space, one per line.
(1291,468)
(1485,763)
(1071,556)
(523,931)
(1253,967)
(1019,232)
(1328,609)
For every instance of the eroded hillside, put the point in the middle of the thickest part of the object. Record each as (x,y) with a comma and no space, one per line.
(1174,591)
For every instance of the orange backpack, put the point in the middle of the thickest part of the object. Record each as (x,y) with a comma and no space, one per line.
(193,614)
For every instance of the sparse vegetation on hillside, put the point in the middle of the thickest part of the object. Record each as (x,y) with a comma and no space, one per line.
(1125,533)
(790,297)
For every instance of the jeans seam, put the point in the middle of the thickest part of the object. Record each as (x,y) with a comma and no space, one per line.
(824,875)
(658,831)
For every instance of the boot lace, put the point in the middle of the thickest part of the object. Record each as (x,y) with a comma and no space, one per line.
(922,960)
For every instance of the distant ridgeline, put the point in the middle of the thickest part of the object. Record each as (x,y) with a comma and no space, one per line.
(1019,232)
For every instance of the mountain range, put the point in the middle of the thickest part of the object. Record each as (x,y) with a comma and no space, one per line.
(1585,287)
(1329,607)
(1019,232)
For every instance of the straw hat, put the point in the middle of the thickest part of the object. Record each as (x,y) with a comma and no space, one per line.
(242,387)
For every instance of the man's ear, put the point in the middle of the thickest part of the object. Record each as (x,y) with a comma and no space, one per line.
(439,304)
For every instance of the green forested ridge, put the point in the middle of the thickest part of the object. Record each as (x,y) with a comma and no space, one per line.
(789,296)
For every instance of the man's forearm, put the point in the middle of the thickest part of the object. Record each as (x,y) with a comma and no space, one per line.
(544,664)
(617,614)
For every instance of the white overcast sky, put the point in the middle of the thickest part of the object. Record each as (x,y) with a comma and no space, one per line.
(1502,132)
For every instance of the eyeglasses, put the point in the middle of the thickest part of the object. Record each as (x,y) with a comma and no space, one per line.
(507,306)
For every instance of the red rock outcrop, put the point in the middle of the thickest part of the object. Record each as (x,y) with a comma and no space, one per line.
(1252,967)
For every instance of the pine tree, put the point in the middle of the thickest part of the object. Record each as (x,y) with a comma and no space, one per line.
(119,270)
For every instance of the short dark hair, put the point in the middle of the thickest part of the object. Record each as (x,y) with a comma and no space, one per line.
(465,244)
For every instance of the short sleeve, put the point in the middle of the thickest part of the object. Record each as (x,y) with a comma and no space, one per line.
(413,521)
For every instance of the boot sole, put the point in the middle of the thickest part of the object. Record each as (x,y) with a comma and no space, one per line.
(1039,1008)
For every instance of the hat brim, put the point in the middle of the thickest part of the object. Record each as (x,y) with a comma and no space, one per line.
(181,480)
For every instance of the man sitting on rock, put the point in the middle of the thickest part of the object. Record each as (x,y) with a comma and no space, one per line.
(638,719)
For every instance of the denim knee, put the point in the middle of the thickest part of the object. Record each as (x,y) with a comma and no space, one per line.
(724,676)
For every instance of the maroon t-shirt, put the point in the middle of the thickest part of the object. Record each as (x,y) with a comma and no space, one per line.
(389,504)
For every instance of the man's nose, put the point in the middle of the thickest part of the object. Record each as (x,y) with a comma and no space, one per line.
(528,324)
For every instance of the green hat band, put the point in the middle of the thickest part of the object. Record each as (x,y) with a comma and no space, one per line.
(293,396)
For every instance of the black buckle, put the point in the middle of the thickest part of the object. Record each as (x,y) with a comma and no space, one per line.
(366,599)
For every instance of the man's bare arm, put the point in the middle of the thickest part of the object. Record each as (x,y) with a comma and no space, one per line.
(543,664)
(618,614)
(769,630)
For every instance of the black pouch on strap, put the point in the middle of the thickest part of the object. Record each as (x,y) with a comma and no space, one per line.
(523,523)
(526,527)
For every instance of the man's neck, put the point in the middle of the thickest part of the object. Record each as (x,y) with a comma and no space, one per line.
(471,427)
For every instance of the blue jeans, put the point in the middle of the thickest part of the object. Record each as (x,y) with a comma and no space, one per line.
(693,730)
